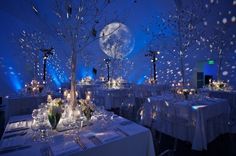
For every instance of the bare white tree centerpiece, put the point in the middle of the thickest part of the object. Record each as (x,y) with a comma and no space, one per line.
(78,24)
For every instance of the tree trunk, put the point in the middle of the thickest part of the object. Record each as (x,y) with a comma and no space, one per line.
(182,70)
(178,4)
(219,66)
(73,79)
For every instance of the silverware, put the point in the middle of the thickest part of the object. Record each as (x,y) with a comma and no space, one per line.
(13,148)
(81,144)
(95,140)
(46,151)
(121,131)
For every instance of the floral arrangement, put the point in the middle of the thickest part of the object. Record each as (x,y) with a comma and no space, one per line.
(86,81)
(102,78)
(115,83)
(34,87)
(55,111)
(150,81)
(87,107)
(185,92)
(218,85)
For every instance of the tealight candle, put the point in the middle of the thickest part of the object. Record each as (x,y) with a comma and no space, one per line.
(68,97)
(49,98)
(65,93)
(88,96)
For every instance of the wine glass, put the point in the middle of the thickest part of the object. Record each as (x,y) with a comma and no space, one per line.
(35,114)
(35,128)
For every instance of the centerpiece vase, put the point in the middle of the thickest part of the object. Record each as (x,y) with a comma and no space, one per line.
(54,120)
(73,100)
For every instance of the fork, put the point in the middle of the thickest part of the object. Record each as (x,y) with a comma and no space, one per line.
(81,144)
(95,140)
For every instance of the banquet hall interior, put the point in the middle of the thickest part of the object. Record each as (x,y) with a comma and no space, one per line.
(118,77)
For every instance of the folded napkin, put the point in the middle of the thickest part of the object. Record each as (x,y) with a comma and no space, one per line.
(12,130)
(132,129)
(65,147)
(107,136)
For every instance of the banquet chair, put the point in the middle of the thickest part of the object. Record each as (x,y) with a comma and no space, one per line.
(139,115)
(183,117)
(127,106)
(173,121)
(183,122)
(99,100)
(232,118)
(2,119)
(163,121)
(138,103)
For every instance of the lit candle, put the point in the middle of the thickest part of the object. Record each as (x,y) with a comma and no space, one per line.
(68,97)
(88,96)
(49,98)
(65,93)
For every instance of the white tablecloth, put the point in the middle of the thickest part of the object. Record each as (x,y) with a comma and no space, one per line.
(114,98)
(131,139)
(84,88)
(196,121)
(231,97)
(145,90)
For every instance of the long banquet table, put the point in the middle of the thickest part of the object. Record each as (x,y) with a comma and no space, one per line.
(197,121)
(231,97)
(114,98)
(116,137)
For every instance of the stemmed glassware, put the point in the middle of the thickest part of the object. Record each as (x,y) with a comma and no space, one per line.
(35,125)
(35,128)
(40,125)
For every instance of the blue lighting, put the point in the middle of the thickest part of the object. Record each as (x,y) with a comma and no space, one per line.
(141,81)
(13,77)
(15,82)
(210,69)
(85,71)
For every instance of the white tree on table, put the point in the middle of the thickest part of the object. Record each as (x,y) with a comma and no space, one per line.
(77,23)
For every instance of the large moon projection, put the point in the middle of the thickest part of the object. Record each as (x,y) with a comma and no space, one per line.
(116,40)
